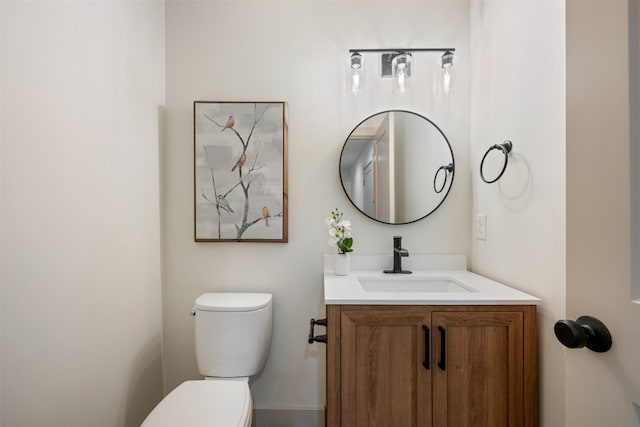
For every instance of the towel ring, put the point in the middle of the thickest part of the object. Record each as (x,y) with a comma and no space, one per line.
(505,147)
(447,170)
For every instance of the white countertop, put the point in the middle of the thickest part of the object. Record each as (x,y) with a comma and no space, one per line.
(348,290)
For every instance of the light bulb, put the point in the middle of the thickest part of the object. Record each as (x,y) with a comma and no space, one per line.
(402,85)
(355,82)
(446,81)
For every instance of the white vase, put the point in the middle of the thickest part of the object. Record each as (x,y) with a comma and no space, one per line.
(341,264)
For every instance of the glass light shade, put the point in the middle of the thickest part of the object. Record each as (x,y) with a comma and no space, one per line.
(401,66)
(355,75)
(447,72)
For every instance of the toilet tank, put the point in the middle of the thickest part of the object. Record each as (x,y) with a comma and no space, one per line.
(233,333)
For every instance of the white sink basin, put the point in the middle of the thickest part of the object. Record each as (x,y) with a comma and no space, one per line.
(412,284)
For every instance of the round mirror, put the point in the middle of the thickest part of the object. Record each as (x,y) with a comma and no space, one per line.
(396,167)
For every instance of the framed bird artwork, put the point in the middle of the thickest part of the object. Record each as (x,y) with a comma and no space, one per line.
(240,171)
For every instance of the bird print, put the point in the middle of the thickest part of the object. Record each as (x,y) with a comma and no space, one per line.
(265,215)
(240,162)
(224,204)
(229,124)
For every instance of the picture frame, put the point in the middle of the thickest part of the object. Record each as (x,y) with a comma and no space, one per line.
(240,171)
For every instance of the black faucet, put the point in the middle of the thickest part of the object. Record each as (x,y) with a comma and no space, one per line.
(398,253)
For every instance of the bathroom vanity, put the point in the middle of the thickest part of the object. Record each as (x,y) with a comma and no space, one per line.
(438,347)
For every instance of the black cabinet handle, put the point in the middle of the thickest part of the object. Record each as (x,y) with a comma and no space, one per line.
(584,331)
(426,362)
(317,338)
(443,346)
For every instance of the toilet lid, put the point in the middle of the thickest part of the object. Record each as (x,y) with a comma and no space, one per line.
(230,301)
(204,403)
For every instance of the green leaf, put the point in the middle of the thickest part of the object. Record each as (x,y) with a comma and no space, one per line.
(345,245)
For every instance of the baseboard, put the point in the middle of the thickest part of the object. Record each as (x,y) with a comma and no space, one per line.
(288,418)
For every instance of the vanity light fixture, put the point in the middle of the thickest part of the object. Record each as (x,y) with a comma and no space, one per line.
(396,63)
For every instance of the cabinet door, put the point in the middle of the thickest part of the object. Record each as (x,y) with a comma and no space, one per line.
(478,369)
(384,380)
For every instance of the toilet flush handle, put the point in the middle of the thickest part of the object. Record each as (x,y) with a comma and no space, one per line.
(317,338)
(193,311)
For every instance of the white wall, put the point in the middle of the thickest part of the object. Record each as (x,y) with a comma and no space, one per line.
(296,52)
(81,86)
(518,93)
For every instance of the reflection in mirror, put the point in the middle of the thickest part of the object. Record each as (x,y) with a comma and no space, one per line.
(397,167)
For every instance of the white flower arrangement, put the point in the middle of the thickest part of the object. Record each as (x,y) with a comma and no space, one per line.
(340,232)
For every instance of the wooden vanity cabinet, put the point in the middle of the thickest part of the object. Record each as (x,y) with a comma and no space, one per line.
(416,365)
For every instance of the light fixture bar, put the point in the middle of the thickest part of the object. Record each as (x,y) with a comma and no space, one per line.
(426,49)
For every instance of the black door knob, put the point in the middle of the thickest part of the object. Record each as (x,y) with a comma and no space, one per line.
(584,331)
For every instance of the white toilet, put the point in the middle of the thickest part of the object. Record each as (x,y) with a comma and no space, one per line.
(233,335)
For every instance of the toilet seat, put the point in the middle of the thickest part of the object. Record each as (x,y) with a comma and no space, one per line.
(204,403)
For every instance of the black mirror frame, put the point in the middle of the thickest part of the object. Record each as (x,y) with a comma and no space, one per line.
(453,162)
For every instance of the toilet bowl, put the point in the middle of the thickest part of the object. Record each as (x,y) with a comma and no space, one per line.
(233,336)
